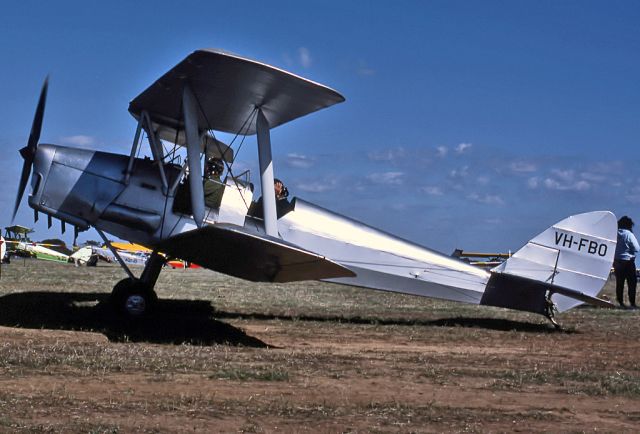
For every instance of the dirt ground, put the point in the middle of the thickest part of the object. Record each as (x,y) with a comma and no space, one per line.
(222,355)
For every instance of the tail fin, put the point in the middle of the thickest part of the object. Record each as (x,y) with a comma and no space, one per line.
(571,260)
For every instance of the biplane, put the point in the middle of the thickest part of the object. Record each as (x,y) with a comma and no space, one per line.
(13,236)
(158,201)
(19,244)
(17,233)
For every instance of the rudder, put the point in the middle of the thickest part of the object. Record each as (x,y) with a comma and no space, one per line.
(572,257)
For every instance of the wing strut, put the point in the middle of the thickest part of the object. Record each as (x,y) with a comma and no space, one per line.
(266,175)
(193,154)
(156,150)
(115,253)
(134,150)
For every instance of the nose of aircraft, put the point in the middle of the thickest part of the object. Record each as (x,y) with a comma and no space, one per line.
(28,153)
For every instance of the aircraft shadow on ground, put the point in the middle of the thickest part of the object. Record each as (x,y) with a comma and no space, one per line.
(190,321)
(173,321)
(499,324)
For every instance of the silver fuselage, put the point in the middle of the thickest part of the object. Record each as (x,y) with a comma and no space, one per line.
(89,188)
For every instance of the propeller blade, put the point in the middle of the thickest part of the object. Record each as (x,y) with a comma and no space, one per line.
(36,127)
(29,151)
(26,168)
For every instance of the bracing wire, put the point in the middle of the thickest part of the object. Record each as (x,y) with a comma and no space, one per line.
(245,126)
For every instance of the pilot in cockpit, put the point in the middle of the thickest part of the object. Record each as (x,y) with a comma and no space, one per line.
(283,205)
(281,191)
(213,187)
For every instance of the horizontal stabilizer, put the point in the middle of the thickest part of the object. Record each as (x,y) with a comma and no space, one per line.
(582,297)
(521,293)
(237,252)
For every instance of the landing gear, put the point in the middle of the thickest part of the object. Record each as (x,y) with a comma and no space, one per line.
(135,298)
(550,310)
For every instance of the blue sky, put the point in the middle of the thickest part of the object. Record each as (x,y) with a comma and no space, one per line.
(466,124)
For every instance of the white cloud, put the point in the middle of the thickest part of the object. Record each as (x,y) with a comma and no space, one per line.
(522,167)
(304,56)
(634,195)
(565,180)
(387,154)
(441,151)
(387,178)
(299,161)
(431,190)
(461,172)
(563,175)
(554,184)
(483,180)
(593,177)
(79,140)
(533,183)
(462,148)
(399,206)
(366,71)
(487,199)
(319,186)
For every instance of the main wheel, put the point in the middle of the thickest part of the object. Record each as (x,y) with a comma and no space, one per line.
(133,298)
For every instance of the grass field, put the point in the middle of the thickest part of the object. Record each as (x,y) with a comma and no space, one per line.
(224,355)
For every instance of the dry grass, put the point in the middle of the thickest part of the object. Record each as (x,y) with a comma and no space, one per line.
(227,355)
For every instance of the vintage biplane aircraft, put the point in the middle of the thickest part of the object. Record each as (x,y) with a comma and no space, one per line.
(14,235)
(17,233)
(142,200)
(19,244)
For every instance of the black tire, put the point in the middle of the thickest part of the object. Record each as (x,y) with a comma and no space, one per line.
(133,299)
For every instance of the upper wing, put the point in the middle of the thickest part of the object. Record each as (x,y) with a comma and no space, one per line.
(228,89)
(233,250)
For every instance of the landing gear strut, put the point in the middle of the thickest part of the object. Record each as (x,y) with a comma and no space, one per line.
(135,298)
(550,310)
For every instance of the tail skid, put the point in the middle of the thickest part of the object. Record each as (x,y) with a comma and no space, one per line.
(562,267)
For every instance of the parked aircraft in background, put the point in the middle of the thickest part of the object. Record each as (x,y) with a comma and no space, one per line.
(18,243)
(89,255)
(14,235)
(42,251)
(160,202)
(128,257)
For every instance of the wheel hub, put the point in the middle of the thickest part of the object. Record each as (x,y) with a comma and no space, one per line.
(135,305)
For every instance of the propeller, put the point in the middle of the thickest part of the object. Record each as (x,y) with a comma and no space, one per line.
(28,153)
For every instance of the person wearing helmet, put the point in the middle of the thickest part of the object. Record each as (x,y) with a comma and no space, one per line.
(212,185)
(283,205)
(281,190)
